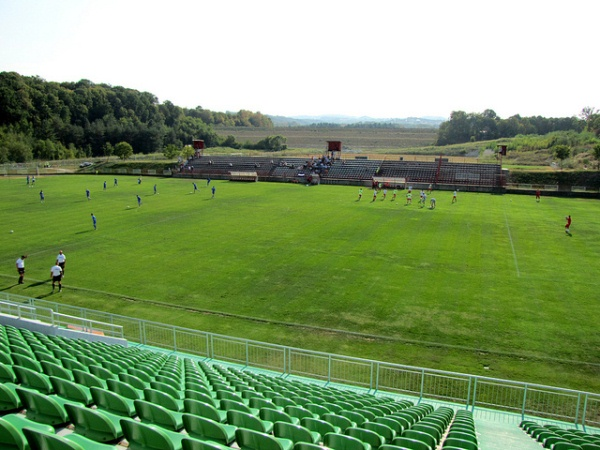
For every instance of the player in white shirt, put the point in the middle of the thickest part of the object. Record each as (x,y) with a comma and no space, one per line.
(56,274)
(61,260)
(21,268)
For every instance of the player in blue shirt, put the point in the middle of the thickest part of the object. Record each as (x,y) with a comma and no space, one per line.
(94,220)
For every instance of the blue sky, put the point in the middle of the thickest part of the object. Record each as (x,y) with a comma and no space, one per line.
(376,58)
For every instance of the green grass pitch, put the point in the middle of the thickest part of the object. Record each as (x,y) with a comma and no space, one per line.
(490,285)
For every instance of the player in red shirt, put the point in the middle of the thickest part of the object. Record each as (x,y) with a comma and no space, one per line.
(568,225)
(538,195)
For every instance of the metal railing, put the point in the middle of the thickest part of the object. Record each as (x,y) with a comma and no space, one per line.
(579,408)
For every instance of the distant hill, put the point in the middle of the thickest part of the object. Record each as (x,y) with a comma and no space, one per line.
(408,122)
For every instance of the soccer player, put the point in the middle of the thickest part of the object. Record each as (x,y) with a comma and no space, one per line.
(454,197)
(115,182)
(538,195)
(195,187)
(395,193)
(432,203)
(374,194)
(213,191)
(408,198)
(430,189)
(139,200)
(105,185)
(139,180)
(384,194)
(360,191)
(207,181)
(21,268)
(42,198)
(568,225)
(423,200)
(87,194)
(94,221)
(155,188)
(61,260)
(56,275)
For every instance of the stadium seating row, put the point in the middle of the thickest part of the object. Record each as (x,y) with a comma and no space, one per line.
(558,438)
(109,393)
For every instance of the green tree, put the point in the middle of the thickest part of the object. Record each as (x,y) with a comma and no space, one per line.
(187,152)
(171,151)
(596,153)
(123,150)
(108,150)
(562,152)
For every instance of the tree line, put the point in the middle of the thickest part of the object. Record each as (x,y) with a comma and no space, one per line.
(50,120)
(470,127)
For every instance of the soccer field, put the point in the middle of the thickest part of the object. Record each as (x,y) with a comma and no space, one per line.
(490,285)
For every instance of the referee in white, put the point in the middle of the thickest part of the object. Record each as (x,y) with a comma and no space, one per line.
(61,260)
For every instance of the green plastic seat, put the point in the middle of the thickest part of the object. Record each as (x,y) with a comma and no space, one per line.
(261,402)
(343,442)
(420,436)
(113,402)
(43,408)
(248,421)
(227,405)
(193,444)
(11,431)
(382,429)
(134,381)
(276,415)
(299,412)
(354,416)
(125,389)
(29,362)
(7,374)
(71,391)
(33,380)
(412,444)
(566,446)
(206,429)
(320,426)
(141,436)
(203,397)
(56,370)
(95,424)
(205,410)
(296,433)
(140,374)
(460,443)
(72,364)
(9,400)
(39,440)
(338,421)
(255,440)
(374,439)
(88,379)
(429,429)
(101,372)
(158,415)
(176,393)
(317,409)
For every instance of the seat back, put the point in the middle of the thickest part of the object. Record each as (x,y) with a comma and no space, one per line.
(242,419)
(373,438)
(162,399)
(134,381)
(413,444)
(125,389)
(9,400)
(144,437)
(42,408)
(382,429)
(10,437)
(87,379)
(22,360)
(7,374)
(320,426)
(256,440)
(298,412)
(338,421)
(71,390)
(355,417)
(295,433)
(344,442)
(33,380)
(38,440)
(193,444)
(203,409)
(420,436)
(52,369)
(102,373)
(276,415)
(93,424)
(167,389)
(158,415)
(207,429)
(113,402)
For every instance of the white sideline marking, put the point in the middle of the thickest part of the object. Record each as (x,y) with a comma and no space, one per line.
(512,245)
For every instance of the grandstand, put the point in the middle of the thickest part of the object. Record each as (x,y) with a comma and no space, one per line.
(156,386)
(441,173)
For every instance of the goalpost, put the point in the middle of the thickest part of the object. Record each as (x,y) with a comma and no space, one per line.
(390,182)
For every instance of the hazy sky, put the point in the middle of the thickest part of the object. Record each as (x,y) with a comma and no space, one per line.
(287,57)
